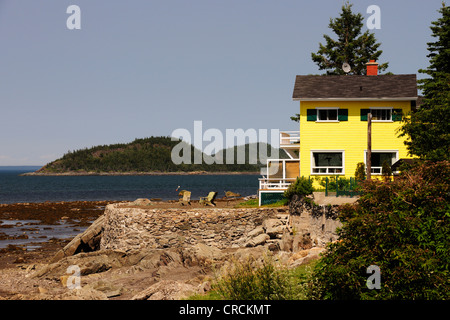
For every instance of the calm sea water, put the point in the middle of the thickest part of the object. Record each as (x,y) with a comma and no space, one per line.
(15,188)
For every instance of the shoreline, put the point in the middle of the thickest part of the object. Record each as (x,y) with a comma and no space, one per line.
(134,173)
(27,229)
(158,254)
(28,219)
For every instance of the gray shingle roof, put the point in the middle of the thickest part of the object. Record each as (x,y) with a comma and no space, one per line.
(355,87)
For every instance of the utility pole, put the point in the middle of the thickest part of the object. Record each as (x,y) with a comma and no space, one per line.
(369,146)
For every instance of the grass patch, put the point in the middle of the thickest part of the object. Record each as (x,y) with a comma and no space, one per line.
(210,295)
(279,203)
(254,203)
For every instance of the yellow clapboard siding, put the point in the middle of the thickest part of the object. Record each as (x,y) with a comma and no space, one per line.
(349,136)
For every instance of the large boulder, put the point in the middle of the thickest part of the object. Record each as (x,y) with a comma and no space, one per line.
(256,232)
(87,241)
(201,254)
(304,256)
(274,227)
(258,240)
(88,263)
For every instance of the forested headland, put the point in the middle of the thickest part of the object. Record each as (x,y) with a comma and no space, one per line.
(152,155)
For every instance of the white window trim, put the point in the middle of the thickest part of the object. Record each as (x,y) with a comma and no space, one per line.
(382,108)
(327,108)
(312,167)
(380,151)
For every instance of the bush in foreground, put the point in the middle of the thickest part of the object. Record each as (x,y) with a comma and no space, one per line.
(400,226)
(252,281)
(302,187)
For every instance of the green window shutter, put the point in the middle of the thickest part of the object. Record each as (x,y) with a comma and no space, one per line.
(364,113)
(311,114)
(397,115)
(343,115)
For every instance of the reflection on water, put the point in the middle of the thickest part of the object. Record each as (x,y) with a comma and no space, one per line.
(25,232)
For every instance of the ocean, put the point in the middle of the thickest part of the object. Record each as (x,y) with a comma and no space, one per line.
(18,189)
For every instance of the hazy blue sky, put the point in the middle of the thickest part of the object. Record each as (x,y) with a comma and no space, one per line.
(147,67)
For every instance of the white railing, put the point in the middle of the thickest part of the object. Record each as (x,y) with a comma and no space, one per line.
(289,138)
(328,170)
(275,183)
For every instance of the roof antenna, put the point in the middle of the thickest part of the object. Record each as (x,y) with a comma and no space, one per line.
(346,67)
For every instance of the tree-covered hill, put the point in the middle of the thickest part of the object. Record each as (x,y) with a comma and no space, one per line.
(151,154)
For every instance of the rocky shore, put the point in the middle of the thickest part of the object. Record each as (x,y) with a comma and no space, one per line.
(142,250)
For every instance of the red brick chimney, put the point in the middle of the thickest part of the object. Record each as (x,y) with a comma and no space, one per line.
(372,68)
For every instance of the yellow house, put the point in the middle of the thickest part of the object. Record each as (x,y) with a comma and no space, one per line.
(333,127)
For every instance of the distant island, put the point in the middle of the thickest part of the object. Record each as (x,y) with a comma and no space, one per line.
(147,156)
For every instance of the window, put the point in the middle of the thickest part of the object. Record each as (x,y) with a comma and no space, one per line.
(329,162)
(379,157)
(327,115)
(381,114)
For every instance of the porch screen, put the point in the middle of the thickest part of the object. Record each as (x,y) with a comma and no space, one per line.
(275,169)
(292,169)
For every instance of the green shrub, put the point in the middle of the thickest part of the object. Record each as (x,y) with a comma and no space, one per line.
(400,226)
(302,187)
(334,182)
(386,170)
(360,172)
(294,282)
(245,281)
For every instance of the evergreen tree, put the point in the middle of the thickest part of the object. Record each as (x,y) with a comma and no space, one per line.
(360,172)
(428,127)
(351,46)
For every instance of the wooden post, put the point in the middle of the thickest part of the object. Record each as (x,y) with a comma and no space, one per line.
(337,186)
(369,146)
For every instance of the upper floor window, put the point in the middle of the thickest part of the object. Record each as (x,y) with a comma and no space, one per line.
(327,114)
(382,114)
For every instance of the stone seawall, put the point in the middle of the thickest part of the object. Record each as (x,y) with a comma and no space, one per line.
(134,228)
(127,227)
(313,222)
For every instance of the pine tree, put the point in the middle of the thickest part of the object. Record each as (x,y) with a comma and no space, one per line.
(428,127)
(351,46)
